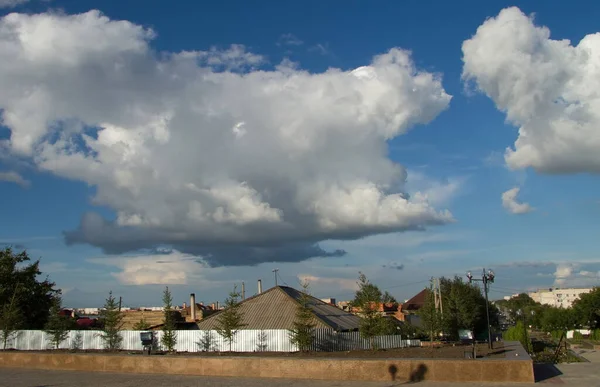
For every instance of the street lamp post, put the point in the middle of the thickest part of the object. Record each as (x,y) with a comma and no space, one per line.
(486,278)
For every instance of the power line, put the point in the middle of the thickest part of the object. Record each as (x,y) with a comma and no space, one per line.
(511,289)
(281,278)
(389,287)
(408,284)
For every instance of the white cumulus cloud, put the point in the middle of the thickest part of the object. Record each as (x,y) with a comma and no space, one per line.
(14,177)
(202,152)
(11,3)
(510,202)
(548,88)
(169,268)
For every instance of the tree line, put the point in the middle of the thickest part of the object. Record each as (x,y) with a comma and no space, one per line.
(463,307)
(584,314)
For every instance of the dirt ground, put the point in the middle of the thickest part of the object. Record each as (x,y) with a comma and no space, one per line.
(443,352)
(447,351)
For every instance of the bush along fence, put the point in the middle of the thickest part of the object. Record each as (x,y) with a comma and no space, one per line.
(207,341)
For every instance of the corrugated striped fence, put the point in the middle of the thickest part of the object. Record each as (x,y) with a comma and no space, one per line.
(191,341)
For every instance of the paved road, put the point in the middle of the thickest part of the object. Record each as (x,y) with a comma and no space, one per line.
(40,378)
(574,375)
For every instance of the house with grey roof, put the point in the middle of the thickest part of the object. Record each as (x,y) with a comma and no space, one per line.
(276,309)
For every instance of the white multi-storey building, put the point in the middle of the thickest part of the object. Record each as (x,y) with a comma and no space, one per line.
(560,298)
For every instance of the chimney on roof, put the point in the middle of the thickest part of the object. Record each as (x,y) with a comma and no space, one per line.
(259,286)
(193,306)
(184,305)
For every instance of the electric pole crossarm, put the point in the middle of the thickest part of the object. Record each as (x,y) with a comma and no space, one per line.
(486,278)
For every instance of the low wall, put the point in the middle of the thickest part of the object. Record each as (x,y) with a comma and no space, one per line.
(257,367)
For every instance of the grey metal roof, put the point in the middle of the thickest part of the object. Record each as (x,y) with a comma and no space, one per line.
(276,309)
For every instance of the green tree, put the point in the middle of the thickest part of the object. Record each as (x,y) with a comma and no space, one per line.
(207,342)
(302,333)
(11,318)
(387,298)
(58,326)
(231,319)
(112,321)
(557,319)
(431,318)
(587,308)
(261,344)
(169,336)
(464,307)
(519,333)
(368,299)
(141,325)
(77,343)
(34,297)
(521,302)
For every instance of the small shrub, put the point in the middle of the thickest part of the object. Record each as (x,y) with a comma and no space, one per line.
(141,325)
(557,334)
(206,343)
(595,335)
(577,337)
(262,345)
(77,343)
(169,336)
(518,333)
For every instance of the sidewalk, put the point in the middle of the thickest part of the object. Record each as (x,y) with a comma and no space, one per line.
(575,374)
(593,355)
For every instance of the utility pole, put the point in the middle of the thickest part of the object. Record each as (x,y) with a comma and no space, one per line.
(486,278)
(436,300)
(439,288)
(243,291)
(120,302)
(275,271)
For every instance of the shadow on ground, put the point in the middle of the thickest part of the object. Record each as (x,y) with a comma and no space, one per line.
(416,376)
(545,371)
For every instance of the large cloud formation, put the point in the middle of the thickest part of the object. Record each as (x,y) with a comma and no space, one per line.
(548,88)
(205,153)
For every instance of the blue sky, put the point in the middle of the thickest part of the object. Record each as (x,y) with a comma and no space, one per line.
(76,73)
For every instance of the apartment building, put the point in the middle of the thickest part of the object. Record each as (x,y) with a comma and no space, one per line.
(558,297)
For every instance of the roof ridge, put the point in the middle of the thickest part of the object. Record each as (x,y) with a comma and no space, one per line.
(238,304)
(299,304)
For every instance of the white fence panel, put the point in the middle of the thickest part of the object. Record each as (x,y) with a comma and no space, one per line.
(276,340)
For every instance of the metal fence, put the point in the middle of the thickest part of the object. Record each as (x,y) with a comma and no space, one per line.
(190,341)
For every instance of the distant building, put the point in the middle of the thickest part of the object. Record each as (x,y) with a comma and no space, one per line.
(407,311)
(344,305)
(560,298)
(276,309)
(132,317)
(87,311)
